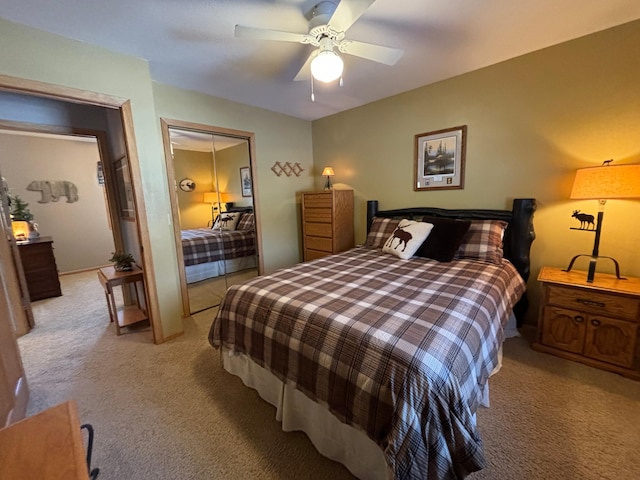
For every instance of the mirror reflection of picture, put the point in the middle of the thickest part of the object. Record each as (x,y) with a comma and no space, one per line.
(245,181)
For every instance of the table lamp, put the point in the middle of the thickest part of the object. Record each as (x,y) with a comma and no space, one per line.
(328,172)
(212,198)
(602,183)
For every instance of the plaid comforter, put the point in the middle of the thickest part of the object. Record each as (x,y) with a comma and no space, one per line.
(204,245)
(399,349)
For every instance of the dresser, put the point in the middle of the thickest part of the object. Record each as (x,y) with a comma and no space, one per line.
(327,223)
(40,268)
(593,323)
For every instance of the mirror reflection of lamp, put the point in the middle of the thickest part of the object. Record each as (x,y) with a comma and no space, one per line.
(603,183)
(212,198)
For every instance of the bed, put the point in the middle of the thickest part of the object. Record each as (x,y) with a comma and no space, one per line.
(383,361)
(229,246)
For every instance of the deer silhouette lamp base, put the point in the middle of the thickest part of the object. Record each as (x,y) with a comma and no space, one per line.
(594,255)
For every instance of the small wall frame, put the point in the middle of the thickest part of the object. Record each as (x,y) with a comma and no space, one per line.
(439,159)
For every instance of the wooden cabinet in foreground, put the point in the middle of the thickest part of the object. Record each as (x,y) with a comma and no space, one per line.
(327,223)
(593,323)
(46,446)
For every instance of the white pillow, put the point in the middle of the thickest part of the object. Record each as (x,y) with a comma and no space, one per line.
(406,239)
(227,221)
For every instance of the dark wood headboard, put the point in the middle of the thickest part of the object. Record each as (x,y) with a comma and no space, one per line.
(517,239)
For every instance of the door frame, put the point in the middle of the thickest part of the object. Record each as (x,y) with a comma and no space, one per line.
(72,95)
(167,123)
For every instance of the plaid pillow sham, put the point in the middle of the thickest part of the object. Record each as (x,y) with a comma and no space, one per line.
(381,229)
(246,222)
(483,241)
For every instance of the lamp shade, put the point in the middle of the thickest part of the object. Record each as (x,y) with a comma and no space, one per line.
(328,172)
(609,181)
(210,197)
(327,66)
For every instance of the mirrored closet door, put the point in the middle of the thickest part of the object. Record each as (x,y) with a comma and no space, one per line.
(213,208)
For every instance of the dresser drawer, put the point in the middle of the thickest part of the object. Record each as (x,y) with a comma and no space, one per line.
(319,229)
(594,302)
(318,215)
(319,243)
(317,200)
(314,254)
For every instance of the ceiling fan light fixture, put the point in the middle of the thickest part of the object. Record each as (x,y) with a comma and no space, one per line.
(327,66)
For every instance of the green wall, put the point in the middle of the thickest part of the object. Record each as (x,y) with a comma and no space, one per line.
(532,121)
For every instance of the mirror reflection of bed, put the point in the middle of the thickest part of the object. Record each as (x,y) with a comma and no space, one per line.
(215,212)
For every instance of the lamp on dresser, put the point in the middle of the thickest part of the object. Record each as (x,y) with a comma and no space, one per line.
(328,172)
(602,183)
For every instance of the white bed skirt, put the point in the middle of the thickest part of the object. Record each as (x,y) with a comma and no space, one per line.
(332,438)
(202,271)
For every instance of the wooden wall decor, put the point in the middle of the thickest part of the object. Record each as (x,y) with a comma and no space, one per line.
(52,190)
(288,169)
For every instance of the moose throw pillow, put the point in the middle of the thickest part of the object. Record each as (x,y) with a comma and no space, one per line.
(407,238)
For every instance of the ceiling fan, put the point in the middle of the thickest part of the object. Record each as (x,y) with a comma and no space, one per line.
(328,23)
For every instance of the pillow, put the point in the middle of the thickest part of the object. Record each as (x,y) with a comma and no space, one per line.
(407,238)
(445,238)
(380,230)
(246,222)
(483,241)
(226,221)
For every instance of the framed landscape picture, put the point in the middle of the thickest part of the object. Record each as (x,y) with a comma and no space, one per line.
(245,181)
(439,159)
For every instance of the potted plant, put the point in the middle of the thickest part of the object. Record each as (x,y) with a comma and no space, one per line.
(122,262)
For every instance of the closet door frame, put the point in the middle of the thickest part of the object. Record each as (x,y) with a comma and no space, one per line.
(166,124)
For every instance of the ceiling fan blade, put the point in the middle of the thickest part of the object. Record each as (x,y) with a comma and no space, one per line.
(265,34)
(305,72)
(347,12)
(377,53)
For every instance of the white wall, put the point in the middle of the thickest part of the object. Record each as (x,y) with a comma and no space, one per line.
(81,233)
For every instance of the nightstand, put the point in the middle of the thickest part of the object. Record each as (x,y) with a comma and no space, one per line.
(128,314)
(593,323)
(327,223)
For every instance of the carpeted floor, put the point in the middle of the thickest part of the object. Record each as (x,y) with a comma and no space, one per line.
(171,412)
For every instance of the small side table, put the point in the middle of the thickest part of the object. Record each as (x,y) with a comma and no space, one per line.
(128,314)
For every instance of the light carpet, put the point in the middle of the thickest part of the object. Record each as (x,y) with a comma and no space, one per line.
(171,412)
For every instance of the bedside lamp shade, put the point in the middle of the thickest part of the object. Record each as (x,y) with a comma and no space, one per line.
(603,183)
(210,197)
(606,182)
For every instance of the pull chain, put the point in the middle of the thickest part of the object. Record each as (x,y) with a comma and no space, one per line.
(313,97)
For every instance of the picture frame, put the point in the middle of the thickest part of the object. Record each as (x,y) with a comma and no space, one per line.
(245,182)
(125,189)
(439,159)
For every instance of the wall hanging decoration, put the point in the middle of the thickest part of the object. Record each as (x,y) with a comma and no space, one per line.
(439,159)
(187,185)
(52,190)
(245,182)
(288,169)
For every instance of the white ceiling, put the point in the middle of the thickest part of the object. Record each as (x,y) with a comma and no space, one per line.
(191,43)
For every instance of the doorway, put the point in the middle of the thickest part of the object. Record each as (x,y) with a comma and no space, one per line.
(211,173)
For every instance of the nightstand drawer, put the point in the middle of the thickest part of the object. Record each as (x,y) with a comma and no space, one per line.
(594,302)
(314,255)
(319,243)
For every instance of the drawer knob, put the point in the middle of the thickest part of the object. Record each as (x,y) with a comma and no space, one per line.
(596,323)
(578,319)
(590,303)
